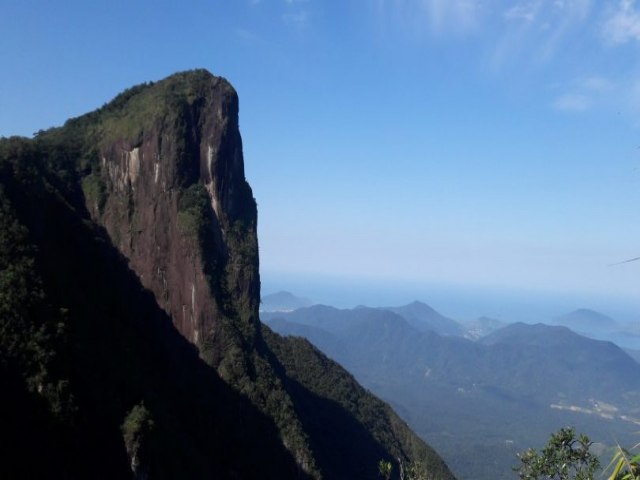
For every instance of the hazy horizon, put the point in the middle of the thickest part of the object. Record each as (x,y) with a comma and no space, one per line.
(458,301)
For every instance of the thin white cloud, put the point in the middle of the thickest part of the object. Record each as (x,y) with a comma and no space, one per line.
(535,29)
(457,15)
(587,93)
(622,24)
(439,17)
(296,19)
(596,84)
(572,102)
(564,16)
(522,12)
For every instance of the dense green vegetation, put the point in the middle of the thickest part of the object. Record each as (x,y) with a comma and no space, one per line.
(82,344)
(566,456)
(328,395)
(624,465)
(137,432)
(97,381)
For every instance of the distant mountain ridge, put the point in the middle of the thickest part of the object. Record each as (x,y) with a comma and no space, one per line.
(283,302)
(635,354)
(584,319)
(423,317)
(538,334)
(511,387)
(594,324)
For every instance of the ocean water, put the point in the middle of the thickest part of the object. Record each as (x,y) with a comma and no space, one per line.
(460,302)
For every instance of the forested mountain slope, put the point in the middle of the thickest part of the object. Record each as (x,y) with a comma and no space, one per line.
(129,291)
(480,402)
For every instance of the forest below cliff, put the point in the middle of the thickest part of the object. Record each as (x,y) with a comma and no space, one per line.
(130,343)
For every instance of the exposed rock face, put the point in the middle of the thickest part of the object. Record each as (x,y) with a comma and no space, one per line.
(146,177)
(176,203)
(146,246)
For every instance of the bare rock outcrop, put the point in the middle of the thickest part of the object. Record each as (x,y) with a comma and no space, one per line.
(178,206)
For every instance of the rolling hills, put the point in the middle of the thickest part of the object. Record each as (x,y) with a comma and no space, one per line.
(479,402)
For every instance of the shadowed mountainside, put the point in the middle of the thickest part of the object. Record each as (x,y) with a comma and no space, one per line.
(129,295)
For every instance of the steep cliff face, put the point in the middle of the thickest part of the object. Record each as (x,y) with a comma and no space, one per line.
(129,309)
(174,200)
(177,204)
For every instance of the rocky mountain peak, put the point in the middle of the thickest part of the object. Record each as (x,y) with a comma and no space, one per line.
(129,313)
(170,189)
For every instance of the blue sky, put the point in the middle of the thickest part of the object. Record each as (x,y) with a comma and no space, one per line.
(459,142)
